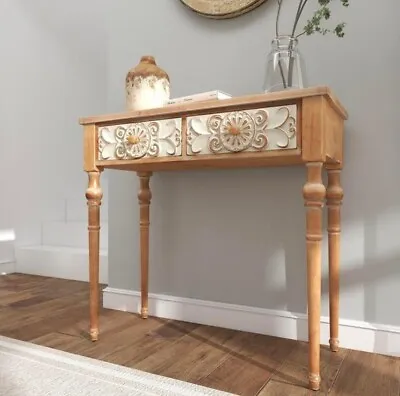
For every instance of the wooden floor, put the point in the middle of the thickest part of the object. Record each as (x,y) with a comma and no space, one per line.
(53,312)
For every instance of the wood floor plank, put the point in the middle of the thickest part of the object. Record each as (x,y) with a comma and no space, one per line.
(108,321)
(200,361)
(191,357)
(34,326)
(293,374)
(54,313)
(280,388)
(368,374)
(38,312)
(8,297)
(62,342)
(146,343)
(119,337)
(252,360)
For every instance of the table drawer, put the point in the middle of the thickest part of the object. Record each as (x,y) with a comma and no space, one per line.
(140,140)
(263,129)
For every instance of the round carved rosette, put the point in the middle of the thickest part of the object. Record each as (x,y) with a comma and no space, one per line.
(137,140)
(237,131)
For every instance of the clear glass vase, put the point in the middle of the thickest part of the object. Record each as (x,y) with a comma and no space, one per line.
(285,67)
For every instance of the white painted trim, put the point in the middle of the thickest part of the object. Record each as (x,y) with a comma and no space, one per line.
(58,262)
(354,334)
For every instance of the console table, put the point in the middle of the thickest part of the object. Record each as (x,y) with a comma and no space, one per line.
(296,127)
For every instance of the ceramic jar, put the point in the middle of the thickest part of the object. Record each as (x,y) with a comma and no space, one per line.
(146,85)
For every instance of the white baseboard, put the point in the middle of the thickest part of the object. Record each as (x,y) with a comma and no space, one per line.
(353,334)
(58,262)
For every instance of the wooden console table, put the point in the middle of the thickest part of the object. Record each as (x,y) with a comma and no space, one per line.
(298,127)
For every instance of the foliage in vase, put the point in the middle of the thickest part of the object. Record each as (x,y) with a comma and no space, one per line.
(315,24)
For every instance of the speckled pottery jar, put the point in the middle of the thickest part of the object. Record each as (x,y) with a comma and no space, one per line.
(147,85)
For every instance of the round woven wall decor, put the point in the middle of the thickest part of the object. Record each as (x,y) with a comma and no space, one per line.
(222,9)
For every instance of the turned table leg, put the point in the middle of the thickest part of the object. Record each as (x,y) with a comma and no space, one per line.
(334,196)
(144,197)
(94,195)
(314,195)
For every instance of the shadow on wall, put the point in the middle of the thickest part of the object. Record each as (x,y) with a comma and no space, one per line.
(239,247)
(281,218)
(239,233)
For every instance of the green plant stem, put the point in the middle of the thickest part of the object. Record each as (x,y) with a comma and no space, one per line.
(300,9)
(277,17)
(277,35)
(301,34)
(282,74)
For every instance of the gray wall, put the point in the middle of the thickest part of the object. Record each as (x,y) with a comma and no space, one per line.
(53,71)
(238,236)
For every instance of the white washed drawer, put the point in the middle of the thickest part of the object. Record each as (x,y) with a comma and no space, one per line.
(265,129)
(140,140)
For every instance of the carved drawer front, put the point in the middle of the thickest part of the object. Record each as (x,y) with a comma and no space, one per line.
(266,129)
(140,140)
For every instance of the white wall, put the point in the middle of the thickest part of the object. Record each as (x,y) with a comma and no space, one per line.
(238,236)
(53,71)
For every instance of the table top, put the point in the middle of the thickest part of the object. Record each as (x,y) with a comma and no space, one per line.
(235,103)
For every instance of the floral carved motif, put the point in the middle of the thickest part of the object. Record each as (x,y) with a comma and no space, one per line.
(266,129)
(139,140)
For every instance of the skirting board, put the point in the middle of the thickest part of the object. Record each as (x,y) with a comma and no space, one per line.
(353,334)
(58,262)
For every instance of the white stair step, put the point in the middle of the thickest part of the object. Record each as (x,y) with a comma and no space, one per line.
(7,268)
(76,209)
(58,262)
(7,251)
(71,234)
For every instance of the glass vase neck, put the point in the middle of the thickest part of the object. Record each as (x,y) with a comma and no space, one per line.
(284,42)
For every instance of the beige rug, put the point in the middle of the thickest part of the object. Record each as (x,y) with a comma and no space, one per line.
(31,370)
